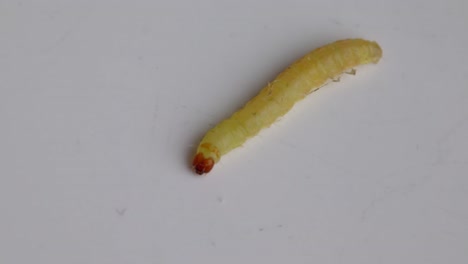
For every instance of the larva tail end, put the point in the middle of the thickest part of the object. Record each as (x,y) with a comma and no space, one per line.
(201,164)
(377,52)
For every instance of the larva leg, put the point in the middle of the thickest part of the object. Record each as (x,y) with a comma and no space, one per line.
(269,89)
(316,89)
(336,79)
(351,72)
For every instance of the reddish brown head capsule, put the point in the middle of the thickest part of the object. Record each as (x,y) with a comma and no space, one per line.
(201,164)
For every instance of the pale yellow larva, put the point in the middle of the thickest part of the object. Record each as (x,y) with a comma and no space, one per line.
(278,97)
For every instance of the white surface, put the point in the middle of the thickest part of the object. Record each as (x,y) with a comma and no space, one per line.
(103,102)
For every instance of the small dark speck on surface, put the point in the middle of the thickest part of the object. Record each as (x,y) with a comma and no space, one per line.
(260,229)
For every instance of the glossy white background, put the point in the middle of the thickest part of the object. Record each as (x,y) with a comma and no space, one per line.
(102,104)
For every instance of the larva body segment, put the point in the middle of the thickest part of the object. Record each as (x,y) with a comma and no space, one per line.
(303,77)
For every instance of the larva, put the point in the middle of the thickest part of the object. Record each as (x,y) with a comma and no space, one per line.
(303,77)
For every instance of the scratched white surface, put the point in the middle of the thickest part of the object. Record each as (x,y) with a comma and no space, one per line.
(103,102)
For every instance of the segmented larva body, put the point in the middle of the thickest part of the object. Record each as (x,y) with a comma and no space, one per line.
(300,79)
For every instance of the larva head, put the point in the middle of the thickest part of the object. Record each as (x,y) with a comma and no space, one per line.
(201,164)
(207,155)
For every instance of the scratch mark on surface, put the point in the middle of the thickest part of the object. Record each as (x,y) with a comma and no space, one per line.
(336,21)
(155,117)
(401,189)
(453,129)
(60,40)
(458,216)
(121,212)
(442,147)
(369,208)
